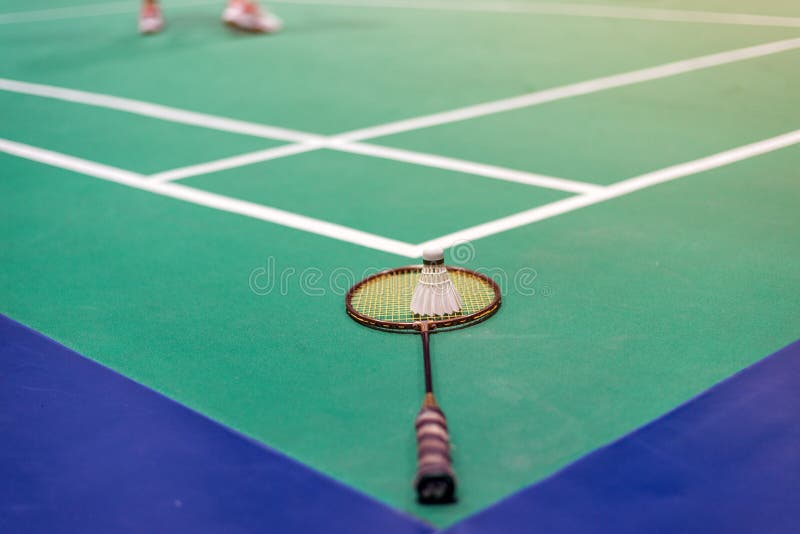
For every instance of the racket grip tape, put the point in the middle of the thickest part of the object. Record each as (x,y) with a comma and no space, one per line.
(435,481)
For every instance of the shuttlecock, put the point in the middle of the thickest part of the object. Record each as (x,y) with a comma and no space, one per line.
(434,293)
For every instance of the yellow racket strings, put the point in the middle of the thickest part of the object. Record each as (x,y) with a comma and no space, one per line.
(387,297)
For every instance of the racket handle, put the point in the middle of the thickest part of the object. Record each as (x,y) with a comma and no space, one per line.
(435,481)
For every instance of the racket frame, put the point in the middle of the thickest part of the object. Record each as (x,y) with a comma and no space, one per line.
(453,323)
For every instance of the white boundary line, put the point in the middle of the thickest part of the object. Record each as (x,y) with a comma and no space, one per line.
(617,190)
(82,166)
(591,194)
(350,235)
(348,141)
(305,142)
(87,10)
(567,91)
(59,13)
(537,8)
(157,111)
(345,141)
(488,108)
(573,10)
(210,200)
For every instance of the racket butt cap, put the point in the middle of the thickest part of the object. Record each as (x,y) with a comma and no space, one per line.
(436,488)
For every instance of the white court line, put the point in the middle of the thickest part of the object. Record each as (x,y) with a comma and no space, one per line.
(338,142)
(376,242)
(574,10)
(58,13)
(322,227)
(347,141)
(468,167)
(416,158)
(157,111)
(210,200)
(568,91)
(56,159)
(233,162)
(616,190)
(307,141)
(538,8)
(87,10)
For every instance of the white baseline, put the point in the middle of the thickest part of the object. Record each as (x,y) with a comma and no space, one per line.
(210,200)
(350,235)
(618,189)
(534,8)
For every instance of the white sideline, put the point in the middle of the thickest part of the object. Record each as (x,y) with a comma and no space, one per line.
(157,111)
(574,10)
(572,90)
(82,166)
(617,190)
(537,8)
(60,13)
(210,200)
(87,10)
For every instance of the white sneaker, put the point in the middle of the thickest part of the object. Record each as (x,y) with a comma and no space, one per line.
(245,15)
(150,19)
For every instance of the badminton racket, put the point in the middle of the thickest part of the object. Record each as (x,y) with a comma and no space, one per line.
(382,301)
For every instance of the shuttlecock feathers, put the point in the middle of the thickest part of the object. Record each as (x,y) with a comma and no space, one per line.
(435,293)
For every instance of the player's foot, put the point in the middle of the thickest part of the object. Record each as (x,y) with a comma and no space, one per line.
(245,15)
(150,19)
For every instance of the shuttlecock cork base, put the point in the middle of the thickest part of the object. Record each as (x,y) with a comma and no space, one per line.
(435,293)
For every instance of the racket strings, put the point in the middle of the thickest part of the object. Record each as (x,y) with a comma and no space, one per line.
(388,297)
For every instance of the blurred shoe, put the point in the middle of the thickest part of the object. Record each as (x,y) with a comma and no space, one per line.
(245,15)
(150,20)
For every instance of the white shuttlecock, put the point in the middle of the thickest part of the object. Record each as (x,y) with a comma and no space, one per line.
(435,293)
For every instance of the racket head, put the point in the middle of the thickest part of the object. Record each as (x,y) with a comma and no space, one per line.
(383,300)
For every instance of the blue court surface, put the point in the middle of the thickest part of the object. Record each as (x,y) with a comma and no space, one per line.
(87,450)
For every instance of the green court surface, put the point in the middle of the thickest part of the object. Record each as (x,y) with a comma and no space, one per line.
(615,310)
